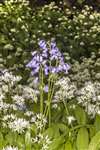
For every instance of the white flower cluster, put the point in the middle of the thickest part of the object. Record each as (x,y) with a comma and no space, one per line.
(29,93)
(15,124)
(8,78)
(10,148)
(10,117)
(8,2)
(92,23)
(39,120)
(83,26)
(46,143)
(43,140)
(18,100)
(7,83)
(87,95)
(66,90)
(18,94)
(89,92)
(18,125)
(4,106)
(29,113)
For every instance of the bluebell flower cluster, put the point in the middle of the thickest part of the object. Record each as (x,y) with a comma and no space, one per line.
(50,59)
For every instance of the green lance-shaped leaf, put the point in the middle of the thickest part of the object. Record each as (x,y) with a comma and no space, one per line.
(68,145)
(11,138)
(82,140)
(56,143)
(92,131)
(1,140)
(28,140)
(20,141)
(80,115)
(63,128)
(97,123)
(95,142)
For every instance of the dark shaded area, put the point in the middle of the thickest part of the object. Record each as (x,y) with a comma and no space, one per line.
(1,1)
(67,3)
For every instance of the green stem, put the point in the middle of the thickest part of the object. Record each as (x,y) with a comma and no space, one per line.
(52,92)
(41,90)
(47,98)
(80,126)
(65,107)
(67,111)
(49,102)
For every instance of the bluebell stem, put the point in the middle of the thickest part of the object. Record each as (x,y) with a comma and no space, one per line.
(47,61)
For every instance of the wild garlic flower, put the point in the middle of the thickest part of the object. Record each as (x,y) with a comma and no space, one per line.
(10,117)
(39,120)
(7,118)
(19,102)
(18,125)
(4,106)
(30,93)
(66,89)
(19,94)
(18,98)
(92,109)
(10,148)
(88,96)
(70,119)
(88,93)
(8,77)
(24,2)
(44,141)
(29,113)
(2,96)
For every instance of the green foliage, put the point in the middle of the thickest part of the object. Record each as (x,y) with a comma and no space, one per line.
(28,140)
(68,145)
(82,139)
(15,34)
(76,32)
(97,123)
(80,116)
(95,142)
(86,70)
(57,143)
(1,140)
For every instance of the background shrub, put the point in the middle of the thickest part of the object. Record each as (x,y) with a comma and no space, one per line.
(15,34)
(87,70)
(76,32)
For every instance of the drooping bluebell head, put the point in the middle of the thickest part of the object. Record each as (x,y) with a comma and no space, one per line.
(42,44)
(50,58)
